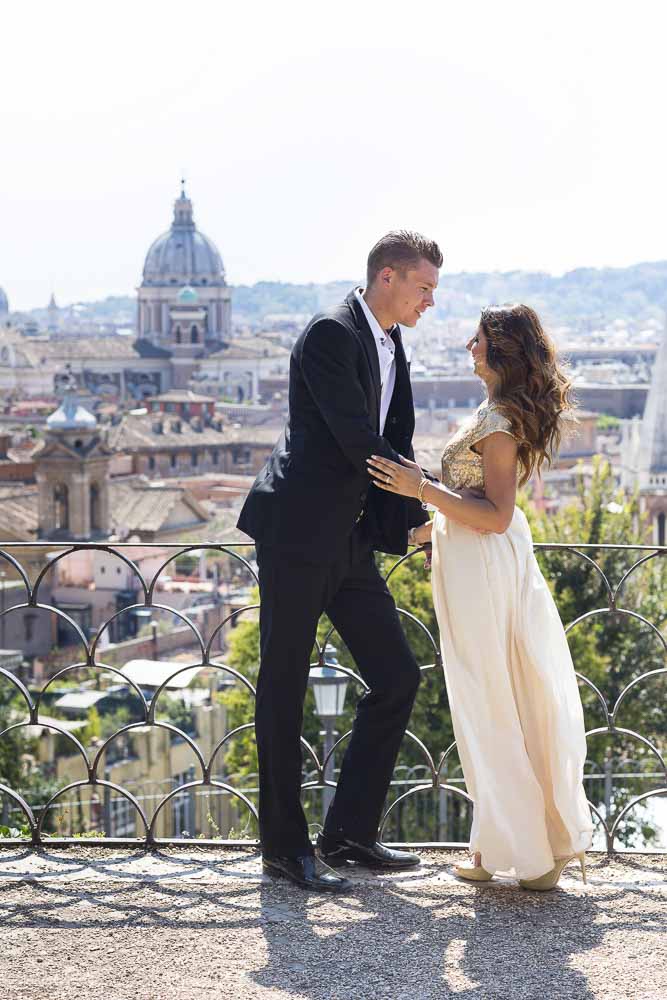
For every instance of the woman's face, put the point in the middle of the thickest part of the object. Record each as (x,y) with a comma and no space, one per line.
(477,346)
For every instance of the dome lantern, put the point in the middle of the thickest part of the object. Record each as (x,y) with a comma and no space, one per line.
(183,255)
(187,296)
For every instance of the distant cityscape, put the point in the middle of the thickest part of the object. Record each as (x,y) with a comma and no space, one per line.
(187,381)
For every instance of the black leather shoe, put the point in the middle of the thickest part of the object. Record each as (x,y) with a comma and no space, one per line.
(307,871)
(338,851)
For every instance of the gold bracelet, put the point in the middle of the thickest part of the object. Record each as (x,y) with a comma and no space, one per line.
(420,492)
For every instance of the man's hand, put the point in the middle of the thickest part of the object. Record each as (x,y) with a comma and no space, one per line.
(428,558)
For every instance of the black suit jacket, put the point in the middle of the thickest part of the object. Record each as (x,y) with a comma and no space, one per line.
(315,483)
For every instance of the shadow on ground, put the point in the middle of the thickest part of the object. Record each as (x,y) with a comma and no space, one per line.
(191,923)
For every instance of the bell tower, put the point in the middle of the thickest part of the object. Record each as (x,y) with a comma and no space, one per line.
(72,472)
(653,448)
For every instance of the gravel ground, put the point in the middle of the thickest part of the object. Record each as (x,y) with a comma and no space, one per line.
(194,924)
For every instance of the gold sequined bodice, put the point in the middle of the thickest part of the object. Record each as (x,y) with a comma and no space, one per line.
(461,466)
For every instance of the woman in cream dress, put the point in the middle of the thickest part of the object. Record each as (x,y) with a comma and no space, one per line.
(513,694)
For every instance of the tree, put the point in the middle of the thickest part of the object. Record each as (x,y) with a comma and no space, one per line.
(19,769)
(611,649)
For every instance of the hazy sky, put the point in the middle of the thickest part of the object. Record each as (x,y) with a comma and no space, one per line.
(519,135)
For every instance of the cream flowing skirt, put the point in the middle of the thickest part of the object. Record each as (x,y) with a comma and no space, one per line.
(514,699)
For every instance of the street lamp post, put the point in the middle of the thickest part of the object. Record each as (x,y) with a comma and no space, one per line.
(3,575)
(329,686)
(144,616)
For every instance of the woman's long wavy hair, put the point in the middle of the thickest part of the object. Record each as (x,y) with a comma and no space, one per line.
(533,391)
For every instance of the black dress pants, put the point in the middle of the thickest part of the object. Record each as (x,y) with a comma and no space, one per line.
(293,594)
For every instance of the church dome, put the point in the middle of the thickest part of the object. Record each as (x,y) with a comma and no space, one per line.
(183,255)
(4,303)
(71,416)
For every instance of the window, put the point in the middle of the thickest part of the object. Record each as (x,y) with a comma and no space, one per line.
(172,461)
(151,462)
(95,519)
(182,806)
(29,625)
(194,335)
(61,502)
(214,456)
(123,818)
(194,458)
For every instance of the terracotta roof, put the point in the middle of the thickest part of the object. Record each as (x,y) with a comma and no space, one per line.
(78,349)
(181,396)
(252,435)
(136,432)
(18,512)
(137,506)
(249,347)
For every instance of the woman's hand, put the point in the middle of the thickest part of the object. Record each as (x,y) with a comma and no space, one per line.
(403,479)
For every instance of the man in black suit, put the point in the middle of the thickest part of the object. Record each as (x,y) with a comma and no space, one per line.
(316,520)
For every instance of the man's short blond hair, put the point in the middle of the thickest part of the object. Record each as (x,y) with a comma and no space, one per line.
(401,249)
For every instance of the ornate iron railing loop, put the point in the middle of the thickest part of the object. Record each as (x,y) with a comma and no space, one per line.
(203,639)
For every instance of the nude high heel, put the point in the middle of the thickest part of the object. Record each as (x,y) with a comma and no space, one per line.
(550,880)
(473,873)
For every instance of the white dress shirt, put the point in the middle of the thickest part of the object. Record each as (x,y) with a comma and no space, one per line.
(385,348)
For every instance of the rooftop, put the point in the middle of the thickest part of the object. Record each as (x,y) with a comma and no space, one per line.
(250,348)
(71,415)
(137,432)
(153,673)
(181,396)
(137,506)
(186,922)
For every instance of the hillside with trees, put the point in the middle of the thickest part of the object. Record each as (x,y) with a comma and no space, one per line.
(583,299)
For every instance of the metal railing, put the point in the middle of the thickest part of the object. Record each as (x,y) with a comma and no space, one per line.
(437,773)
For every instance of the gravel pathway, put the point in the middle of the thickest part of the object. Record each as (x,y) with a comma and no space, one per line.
(194,924)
